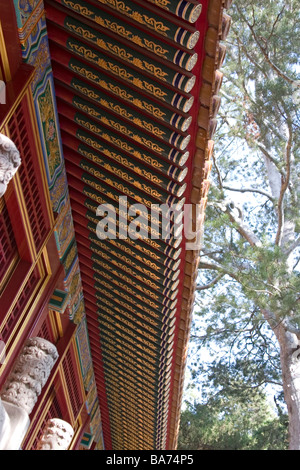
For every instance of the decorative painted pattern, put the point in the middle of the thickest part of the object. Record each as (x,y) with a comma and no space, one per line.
(154,22)
(35,51)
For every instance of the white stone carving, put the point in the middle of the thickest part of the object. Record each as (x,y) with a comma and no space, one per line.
(14,428)
(4,423)
(57,435)
(30,373)
(9,162)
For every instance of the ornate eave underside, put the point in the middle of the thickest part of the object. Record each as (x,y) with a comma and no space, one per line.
(136,85)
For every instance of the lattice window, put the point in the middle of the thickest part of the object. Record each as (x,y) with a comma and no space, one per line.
(46,331)
(19,306)
(55,411)
(19,134)
(70,368)
(8,246)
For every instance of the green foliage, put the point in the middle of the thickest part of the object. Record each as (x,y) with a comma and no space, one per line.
(249,279)
(232,421)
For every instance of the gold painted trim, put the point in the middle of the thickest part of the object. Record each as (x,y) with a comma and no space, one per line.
(38,147)
(37,426)
(75,349)
(23,210)
(16,299)
(23,38)
(17,186)
(2,204)
(42,254)
(56,325)
(27,312)
(77,430)
(5,62)
(66,392)
(45,257)
(53,326)
(9,272)
(20,97)
(59,324)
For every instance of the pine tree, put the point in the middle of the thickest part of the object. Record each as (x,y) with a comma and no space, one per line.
(248,294)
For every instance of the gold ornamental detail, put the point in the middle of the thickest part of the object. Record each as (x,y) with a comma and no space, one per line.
(79,8)
(127,261)
(127,269)
(138,17)
(118,91)
(122,160)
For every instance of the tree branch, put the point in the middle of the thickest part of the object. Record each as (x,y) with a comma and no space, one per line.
(274,322)
(219,176)
(217,267)
(211,283)
(292,247)
(243,230)
(284,185)
(265,53)
(274,172)
(249,56)
(275,22)
(250,190)
(263,149)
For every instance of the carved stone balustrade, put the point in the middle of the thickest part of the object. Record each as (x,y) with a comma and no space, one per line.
(9,162)
(4,422)
(30,373)
(57,435)
(14,423)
